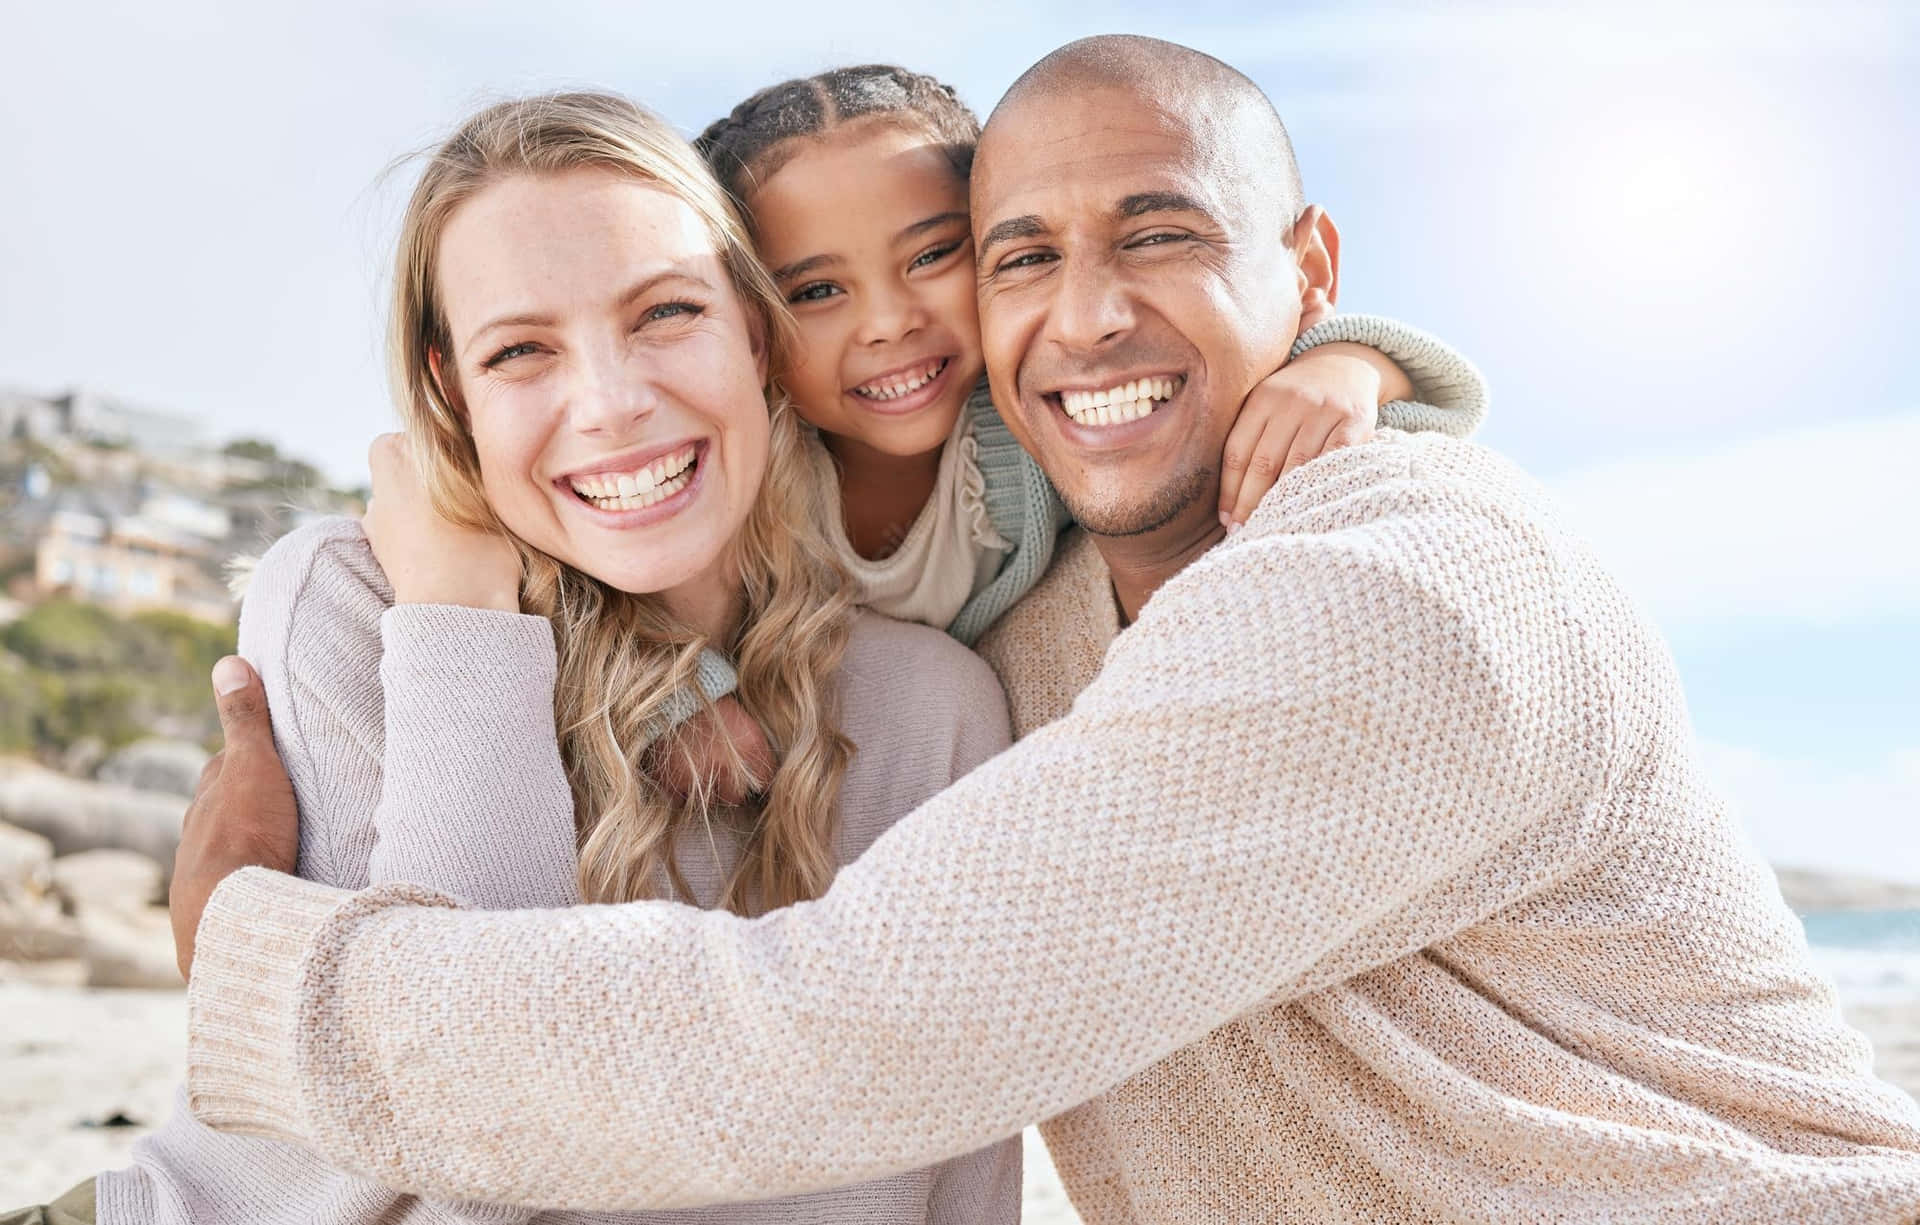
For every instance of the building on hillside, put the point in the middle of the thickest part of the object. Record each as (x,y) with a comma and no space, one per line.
(129,562)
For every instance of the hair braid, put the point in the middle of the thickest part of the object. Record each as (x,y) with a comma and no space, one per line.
(748,144)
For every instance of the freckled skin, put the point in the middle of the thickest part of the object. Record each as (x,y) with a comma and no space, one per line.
(1213,292)
(601,376)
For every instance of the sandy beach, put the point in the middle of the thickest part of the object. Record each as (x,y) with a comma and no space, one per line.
(78,1059)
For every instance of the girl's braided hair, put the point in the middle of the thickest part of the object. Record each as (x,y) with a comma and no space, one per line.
(745,147)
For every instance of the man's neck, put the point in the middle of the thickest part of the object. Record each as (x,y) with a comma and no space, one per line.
(1140,564)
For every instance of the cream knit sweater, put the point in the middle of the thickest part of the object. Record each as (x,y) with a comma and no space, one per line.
(1368,877)
(420,741)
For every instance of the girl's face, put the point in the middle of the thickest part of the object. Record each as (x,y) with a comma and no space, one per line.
(610,376)
(867,234)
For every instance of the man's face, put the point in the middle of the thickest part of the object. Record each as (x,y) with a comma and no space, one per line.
(1134,286)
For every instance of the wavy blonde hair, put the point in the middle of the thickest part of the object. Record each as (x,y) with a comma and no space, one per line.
(622,656)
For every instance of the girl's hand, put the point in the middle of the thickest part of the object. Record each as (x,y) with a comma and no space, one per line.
(724,748)
(428,559)
(1328,397)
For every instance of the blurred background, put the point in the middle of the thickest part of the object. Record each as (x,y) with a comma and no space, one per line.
(1677,239)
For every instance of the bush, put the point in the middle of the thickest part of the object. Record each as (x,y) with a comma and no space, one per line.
(78,671)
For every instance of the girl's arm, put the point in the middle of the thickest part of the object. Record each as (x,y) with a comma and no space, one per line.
(1342,372)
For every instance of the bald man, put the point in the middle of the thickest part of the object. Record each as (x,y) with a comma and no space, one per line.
(1356,868)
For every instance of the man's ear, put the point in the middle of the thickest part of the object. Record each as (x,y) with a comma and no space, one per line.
(1316,253)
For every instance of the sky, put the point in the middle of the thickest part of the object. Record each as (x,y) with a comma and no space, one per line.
(1676,238)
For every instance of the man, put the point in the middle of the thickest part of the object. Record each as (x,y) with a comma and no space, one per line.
(1367,876)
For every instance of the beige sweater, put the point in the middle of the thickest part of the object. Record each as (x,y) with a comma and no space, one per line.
(1369,877)
(420,741)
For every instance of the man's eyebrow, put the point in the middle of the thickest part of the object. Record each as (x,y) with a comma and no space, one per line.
(1028,226)
(639,289)
(801,267)
(1143,202)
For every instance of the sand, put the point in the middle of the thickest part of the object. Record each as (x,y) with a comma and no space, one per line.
(75,1057)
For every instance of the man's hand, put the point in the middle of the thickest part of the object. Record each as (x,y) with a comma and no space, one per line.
(242,813)
(1327,398)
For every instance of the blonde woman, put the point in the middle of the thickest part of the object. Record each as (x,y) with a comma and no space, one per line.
(581,341)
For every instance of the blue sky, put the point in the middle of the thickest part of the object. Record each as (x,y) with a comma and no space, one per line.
(1677,238)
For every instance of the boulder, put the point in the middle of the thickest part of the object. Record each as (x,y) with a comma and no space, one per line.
(171,767)
(26,865)
(76,815)
(129,948)
(107,879)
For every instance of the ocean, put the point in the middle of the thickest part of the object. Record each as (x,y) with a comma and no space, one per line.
(1873,956)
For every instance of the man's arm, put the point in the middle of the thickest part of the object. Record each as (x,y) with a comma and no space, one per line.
(1309,739)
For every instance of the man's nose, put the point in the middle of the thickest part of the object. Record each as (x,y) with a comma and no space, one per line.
(1089,307)
(892,313)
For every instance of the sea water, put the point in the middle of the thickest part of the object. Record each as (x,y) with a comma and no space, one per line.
(1873,956)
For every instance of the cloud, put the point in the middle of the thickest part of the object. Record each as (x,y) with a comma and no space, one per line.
(1805,814)
(1797,526)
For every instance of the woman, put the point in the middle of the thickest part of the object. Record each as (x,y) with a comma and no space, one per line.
(581,341)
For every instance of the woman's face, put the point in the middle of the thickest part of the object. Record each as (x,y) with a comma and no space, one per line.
(610,376)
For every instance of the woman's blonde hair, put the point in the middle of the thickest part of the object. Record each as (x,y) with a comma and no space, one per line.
(622,656)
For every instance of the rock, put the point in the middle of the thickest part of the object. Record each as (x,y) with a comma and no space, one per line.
(130,948)
(83,756)
(76,815)
(171,767)
(107,879)
(38,931)
(26,861)
(1809,891)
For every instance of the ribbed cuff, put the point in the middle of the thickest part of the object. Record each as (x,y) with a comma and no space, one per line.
(1450,394)
(243,1000)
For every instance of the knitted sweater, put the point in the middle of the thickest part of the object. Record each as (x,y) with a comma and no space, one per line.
(1394,785)
(420,741)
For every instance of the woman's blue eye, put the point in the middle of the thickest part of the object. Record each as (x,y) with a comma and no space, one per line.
(667,310)
(814,292)
(934,256)
(507,354)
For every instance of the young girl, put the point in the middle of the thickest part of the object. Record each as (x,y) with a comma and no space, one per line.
(854,183)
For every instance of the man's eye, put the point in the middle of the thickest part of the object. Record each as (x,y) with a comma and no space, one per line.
(506,355)
(934,255)
(815,292)
(1160,239)
(1027,259)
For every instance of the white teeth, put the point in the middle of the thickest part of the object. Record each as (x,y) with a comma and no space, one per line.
(1119,405)
(895,386)
(656,482)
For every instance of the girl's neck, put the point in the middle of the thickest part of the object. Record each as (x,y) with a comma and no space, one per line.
(881,495)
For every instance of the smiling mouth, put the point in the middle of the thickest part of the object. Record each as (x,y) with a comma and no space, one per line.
(904,382)
(642,487)
(1119,404)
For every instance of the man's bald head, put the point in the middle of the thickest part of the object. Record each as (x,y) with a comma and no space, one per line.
(1215,100)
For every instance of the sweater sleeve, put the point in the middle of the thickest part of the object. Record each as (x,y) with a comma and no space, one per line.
(475,799)
(312,626)
(1450,394)
(1262,793)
